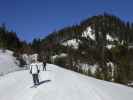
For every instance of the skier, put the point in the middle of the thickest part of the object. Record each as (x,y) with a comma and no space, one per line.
(44,65)
(34,70)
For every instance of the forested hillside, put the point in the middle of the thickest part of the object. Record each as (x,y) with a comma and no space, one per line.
(103,40)
(10,41)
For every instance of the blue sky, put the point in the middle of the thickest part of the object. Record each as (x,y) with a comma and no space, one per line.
(37,18)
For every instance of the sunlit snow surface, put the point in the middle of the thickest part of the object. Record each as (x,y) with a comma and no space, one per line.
(60,84)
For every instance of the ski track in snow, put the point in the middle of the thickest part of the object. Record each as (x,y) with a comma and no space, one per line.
(60,84)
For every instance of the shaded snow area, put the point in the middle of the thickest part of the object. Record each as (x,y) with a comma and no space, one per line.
(26,58)
(29,58)
(86,67)
(74,43)
(110,46)
(58,56)
(8,63)
(88,33)
(60,84)
(111,66)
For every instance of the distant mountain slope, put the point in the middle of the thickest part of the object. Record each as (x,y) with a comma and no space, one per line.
(60,84)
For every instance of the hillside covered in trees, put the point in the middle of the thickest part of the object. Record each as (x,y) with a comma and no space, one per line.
(103,40)
(10,40)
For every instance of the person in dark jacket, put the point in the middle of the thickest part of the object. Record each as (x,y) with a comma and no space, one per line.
(34,70)
(44,65)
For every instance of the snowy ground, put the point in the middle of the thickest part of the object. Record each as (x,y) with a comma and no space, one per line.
(60,84)
(8,63)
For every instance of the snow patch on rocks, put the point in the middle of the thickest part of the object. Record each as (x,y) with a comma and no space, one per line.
(73,43)
(110,38)
(88,33)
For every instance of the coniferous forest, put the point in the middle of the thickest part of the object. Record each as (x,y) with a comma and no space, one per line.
(114,64)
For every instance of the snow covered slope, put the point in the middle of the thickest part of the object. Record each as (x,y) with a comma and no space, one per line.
(60,84)
(8,63)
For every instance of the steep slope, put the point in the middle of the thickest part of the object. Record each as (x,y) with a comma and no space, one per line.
(60,84)
(8,63)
